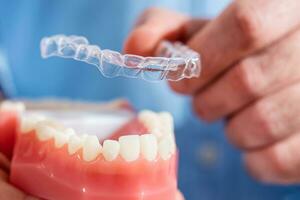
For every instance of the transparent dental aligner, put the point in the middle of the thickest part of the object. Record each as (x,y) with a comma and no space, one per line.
(175,61)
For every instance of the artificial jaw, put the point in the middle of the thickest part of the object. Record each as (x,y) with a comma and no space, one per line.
(140,152)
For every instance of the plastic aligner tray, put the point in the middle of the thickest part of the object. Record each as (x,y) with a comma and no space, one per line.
(174,63)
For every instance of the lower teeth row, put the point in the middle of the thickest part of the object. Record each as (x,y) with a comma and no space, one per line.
(128,147)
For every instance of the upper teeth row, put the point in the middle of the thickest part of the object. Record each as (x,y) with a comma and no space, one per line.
(129,147)
(12,106)
(159,124)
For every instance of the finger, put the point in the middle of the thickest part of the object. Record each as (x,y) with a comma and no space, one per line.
(243,28)
(278,163)
(191,27)
(154,25)
(179,196)
(266,121)
(251,78)
(7,191)
(3,175)
(158,24)
(4,163)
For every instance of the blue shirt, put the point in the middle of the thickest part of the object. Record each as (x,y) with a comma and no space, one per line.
(210,168)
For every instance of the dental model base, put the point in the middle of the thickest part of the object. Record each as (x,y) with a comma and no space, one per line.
(176,61)
(128,156)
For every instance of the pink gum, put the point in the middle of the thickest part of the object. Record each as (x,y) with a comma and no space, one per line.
(51,173)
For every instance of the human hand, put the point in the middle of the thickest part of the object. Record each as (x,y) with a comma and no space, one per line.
(7,191)
(250,56)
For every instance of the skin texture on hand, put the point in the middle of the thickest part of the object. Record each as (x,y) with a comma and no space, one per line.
(7,191)
(250,77)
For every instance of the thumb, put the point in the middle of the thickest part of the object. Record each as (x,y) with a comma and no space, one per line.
(9,192)
(154,25)
(179,196)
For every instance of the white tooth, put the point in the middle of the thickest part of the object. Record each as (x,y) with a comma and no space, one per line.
(165,148)
(148,146)
(156,130)
(62,137)
(83,136)
(56,125)
(151,121)
(44,132)
(166,122)
(12,106)
(28,123)
(145,114)
(91,148)
(148,117)
(171,139)
(129,147)
(69,131)
(111,149)
(74,144)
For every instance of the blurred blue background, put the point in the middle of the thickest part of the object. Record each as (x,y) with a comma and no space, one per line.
(210,168)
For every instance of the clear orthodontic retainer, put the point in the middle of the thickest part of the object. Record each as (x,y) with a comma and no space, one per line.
(175,61)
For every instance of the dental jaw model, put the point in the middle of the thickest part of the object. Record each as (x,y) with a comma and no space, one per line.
(135,159)
(67,155)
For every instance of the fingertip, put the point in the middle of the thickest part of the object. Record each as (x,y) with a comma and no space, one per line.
(256,166)
(141,41)
(201,109)
(178,86)
(179,196)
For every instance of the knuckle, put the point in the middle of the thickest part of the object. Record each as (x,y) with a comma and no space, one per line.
(249,23)
(239,137)
(264,120)
(247,78)
(233,136)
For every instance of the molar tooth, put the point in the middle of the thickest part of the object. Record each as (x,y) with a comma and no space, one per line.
(171,139)
(44,132)
(12,106)
(165,148)
(28,123)
(151,121)
(129,147)
(111,149)
(56,125)
(91,148)
(74,144)
(147,116)
(166,122)
(61,138)
(157,131)
(83,136)
(148,146)
(69,132)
